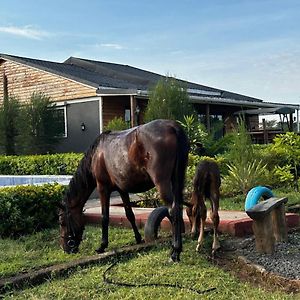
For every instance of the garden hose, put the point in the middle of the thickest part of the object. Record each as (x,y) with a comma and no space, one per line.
(125,284)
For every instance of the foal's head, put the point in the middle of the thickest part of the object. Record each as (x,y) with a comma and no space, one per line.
(71,224)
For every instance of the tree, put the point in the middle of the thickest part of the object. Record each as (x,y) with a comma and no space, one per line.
(40,127)
(9,113)
(168,99)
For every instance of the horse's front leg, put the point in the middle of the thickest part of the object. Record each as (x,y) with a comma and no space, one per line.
(104,198)
(130,216)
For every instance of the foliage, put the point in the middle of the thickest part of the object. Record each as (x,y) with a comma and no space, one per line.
(116,124)
(284,174)
(9,127)
(195,132)
(216,146)
(51,164)
(40,127)
(242,177)
(288,146)
(245,169)
(26,209)
(168,99)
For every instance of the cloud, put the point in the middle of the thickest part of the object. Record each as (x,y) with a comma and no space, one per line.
(27,31)
(113,46)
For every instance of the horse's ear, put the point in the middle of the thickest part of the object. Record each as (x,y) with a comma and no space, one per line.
(60,206)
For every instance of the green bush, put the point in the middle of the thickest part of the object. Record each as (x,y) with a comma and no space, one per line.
(116,124)
(52,164)
(26,209)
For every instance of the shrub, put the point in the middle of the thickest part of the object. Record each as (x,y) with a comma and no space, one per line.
(195,132)
(26,209)
(116,124)
(52,164)
(39,126)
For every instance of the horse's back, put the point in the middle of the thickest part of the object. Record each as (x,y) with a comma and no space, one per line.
(207,179)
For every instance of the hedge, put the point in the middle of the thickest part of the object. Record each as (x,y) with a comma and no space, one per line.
(26,209)
(51,164)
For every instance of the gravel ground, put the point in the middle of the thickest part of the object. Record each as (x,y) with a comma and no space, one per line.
(285,261)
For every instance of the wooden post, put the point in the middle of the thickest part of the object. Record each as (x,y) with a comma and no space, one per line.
(279,224)
(132,111)
(265,131)
(264,237)
(208,118)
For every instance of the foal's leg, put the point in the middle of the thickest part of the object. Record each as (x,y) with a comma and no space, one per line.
(104,198)
(130,216)
(203,215)
(214,216)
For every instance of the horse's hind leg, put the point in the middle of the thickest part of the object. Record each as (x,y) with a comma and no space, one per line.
(214,216)
(175,210)
(130,216)
(104,198)
(203,215)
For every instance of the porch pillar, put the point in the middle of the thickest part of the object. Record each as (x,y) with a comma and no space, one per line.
(208,118)
(298,127)
(132,111)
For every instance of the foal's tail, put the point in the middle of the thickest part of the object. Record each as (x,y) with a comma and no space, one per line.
(178,176)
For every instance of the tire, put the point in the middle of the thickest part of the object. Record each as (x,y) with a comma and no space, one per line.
(255,194)
(153,222)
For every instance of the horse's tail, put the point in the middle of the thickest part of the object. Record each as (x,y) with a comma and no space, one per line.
(178,176)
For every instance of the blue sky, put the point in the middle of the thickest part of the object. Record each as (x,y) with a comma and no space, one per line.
(245,46)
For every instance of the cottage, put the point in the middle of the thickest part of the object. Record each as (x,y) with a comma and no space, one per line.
(88,94)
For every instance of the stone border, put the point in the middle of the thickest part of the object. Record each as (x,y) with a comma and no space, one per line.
(44,274)
(293,283)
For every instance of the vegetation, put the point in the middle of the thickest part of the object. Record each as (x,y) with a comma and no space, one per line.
(117,123)
(9,130)
(194,271)
(50,164)
(168,99)
(195,132)
(40,126)
(245,170)
(30,128)
(26,209)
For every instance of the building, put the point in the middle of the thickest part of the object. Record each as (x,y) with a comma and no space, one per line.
(88,94)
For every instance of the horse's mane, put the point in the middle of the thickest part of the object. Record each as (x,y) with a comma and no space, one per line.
(83,181)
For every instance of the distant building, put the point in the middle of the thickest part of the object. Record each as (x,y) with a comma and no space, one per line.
(88,94)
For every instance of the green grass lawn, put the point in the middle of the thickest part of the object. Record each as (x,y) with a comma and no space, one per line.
(194,270)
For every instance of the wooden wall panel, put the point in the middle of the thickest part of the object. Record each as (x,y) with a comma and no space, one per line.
(24,80)
(114,106)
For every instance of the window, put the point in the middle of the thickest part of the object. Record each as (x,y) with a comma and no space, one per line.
(60,121)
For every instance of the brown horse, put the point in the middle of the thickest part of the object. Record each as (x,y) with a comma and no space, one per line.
(129,161)
(206,185)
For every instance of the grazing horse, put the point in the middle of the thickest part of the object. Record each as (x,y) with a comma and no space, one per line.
(206,185)
(129,161)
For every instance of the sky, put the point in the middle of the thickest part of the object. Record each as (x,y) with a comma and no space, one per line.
(251,47)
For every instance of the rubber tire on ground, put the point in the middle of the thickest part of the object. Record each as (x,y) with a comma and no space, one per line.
(153,222)
(255,194)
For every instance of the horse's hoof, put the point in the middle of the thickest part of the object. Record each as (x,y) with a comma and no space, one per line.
(99,250)
(174,258)
(142,241)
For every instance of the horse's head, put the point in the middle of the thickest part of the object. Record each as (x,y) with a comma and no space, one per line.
(71,228)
